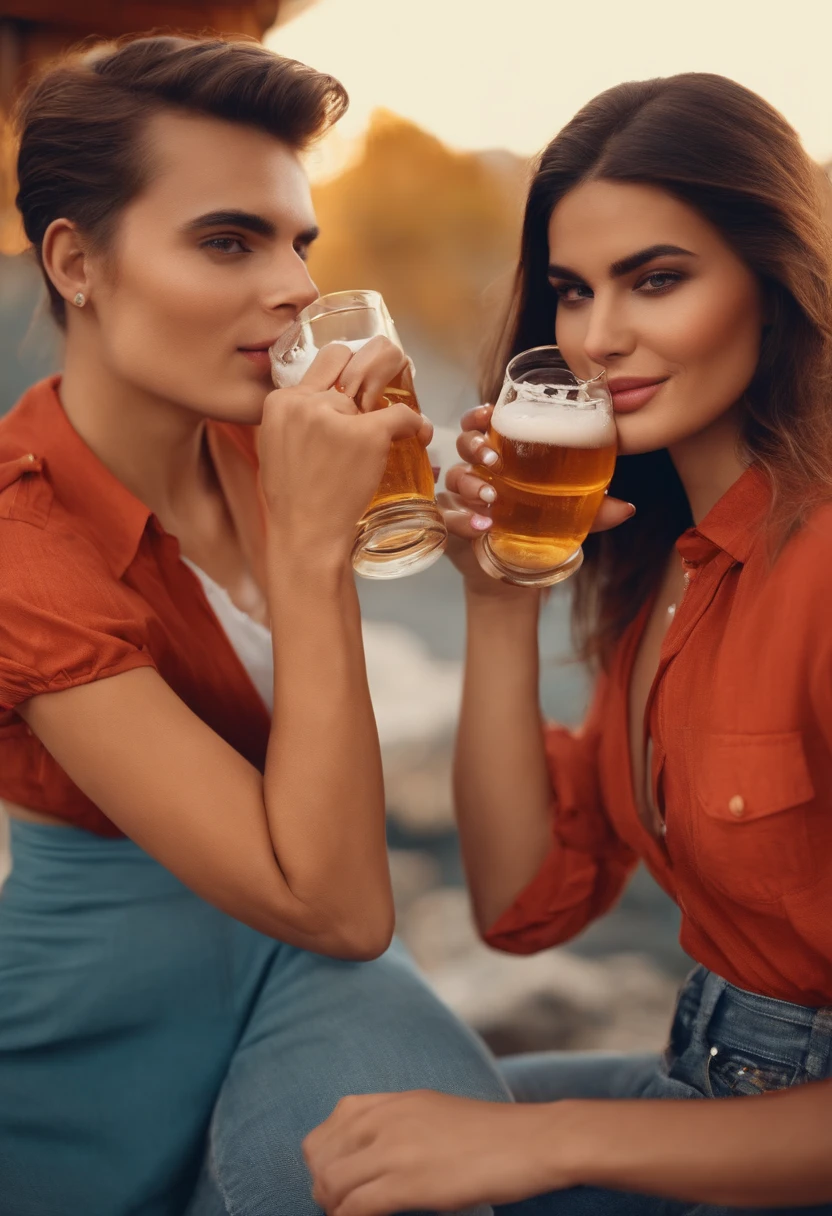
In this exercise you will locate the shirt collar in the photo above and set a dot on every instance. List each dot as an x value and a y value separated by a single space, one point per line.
733 522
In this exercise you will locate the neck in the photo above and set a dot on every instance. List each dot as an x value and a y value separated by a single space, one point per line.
709 463
153 446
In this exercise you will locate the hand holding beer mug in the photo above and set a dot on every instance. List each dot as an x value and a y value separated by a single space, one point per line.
555 438
402 531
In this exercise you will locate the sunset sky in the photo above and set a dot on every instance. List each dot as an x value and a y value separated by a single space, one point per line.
484 73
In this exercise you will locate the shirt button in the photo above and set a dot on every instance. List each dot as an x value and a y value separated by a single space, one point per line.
737 806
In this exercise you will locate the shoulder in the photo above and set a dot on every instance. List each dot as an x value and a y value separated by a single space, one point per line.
794 583
47 559
808 552
64 618
48 570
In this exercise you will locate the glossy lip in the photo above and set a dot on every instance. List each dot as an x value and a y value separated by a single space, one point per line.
258 355
630 393
261 346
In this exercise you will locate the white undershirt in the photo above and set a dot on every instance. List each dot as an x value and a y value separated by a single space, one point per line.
251 640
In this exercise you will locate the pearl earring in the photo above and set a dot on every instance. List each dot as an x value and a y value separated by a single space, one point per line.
79 300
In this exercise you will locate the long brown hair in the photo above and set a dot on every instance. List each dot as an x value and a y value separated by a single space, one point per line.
81 123
724 151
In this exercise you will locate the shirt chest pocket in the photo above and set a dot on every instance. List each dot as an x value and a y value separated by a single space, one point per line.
751 815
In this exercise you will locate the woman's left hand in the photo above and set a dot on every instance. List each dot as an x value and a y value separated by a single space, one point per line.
383 1153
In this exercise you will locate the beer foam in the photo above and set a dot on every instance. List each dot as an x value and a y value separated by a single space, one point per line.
570 426
290 368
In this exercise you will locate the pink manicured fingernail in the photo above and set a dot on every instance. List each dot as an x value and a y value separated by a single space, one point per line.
436 469
481 522
488 494
489 457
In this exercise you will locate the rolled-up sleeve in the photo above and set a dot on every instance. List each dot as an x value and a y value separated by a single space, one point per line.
587 865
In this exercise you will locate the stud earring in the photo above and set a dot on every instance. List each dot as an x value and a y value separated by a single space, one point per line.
79 300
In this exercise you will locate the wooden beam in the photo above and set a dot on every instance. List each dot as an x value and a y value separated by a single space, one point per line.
113 17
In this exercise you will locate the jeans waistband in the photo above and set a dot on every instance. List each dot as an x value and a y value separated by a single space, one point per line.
711 1010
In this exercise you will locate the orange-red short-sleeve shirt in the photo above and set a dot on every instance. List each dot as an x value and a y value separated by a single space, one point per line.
91 586
740 717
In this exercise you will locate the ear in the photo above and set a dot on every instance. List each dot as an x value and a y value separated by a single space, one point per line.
64 259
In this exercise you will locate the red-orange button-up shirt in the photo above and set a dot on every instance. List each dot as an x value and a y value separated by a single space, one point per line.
740 717
91 586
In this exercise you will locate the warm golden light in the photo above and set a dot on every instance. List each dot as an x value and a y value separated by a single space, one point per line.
492 74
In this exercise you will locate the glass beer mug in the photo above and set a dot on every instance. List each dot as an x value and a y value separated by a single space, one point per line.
402 530
556 439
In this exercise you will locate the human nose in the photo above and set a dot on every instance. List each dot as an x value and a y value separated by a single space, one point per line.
608 335
291 285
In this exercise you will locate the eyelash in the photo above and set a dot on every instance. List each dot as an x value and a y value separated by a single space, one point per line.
672 277
219 244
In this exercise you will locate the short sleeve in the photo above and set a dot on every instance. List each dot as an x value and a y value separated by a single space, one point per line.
588 864
65 619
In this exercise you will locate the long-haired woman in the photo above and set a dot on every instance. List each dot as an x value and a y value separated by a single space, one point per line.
676 238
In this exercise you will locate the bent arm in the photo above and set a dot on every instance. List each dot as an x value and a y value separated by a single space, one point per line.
502 790
542 860
299 853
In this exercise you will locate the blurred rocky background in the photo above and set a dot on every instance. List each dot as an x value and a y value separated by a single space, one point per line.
436 231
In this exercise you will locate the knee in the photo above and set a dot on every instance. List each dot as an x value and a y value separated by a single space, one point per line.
254 1170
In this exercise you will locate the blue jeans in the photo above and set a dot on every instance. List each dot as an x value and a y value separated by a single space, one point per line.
157 1056
723 1042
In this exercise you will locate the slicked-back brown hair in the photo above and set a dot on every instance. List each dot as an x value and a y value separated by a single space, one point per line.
724 151
81 122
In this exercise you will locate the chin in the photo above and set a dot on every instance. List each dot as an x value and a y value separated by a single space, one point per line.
639 432
637 435
244 406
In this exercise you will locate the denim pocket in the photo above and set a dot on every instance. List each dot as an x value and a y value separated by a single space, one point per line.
734 1072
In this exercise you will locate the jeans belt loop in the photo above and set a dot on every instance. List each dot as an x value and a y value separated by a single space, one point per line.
712 989
819 1053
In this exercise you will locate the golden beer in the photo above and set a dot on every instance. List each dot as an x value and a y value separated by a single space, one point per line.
408 474
556 441
547 498
402 530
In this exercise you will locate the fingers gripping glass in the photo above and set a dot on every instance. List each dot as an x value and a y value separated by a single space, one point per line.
556 440
402 531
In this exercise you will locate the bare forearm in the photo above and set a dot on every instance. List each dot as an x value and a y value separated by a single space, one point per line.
324 789
768 1151
502 787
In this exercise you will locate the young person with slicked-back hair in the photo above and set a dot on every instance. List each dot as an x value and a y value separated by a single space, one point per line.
195 955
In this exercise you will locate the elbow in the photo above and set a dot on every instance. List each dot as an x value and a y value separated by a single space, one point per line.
355 936
361 941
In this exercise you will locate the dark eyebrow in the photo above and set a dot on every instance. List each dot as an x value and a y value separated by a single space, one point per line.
625 265
234 219
248 220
